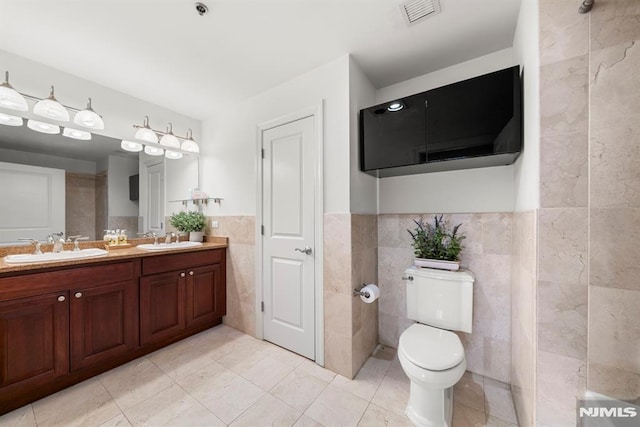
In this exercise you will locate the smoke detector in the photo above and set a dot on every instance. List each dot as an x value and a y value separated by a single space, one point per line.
202 8
414 11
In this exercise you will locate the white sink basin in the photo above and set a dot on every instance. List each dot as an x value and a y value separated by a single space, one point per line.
168 246
50 256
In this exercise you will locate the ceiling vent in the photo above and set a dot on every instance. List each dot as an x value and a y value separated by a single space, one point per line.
416 10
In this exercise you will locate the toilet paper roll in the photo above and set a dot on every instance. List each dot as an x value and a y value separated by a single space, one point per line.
370 293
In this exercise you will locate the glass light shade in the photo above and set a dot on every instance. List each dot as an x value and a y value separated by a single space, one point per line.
89 118
43 127
10 98
132 146
173 155
8 120
76 134
146 135
51 109
170 140
153 151
190 145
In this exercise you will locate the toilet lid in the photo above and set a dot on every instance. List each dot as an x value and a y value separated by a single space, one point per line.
431 348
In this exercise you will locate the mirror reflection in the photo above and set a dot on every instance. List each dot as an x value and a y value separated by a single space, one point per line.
51 184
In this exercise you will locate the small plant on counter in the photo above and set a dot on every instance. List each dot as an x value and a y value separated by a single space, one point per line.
436 241
188 222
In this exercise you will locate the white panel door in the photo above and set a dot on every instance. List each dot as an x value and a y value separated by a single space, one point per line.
288 245
33 202
155 199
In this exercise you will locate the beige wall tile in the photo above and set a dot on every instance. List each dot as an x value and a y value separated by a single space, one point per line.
562 319
613 73
613 22
239 229
563 96
563 245
564 33
337 253
338 353
564 170
614 248
615 166
241 282
614 330
614 382
496 233
560 381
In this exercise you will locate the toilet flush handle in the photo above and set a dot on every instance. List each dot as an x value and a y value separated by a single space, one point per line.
409 278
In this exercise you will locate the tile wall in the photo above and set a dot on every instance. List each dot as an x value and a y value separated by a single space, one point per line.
586 334
523 308
80 215
614 200
487 253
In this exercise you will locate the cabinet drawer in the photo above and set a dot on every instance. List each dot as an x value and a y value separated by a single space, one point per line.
74 277
179 261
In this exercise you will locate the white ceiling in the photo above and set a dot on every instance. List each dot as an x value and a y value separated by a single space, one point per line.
163 52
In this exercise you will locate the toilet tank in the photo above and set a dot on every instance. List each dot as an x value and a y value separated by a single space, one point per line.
440 298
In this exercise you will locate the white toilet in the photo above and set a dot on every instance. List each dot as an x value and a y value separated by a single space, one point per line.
430 354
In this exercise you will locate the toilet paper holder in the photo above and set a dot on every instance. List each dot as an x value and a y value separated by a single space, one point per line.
360 293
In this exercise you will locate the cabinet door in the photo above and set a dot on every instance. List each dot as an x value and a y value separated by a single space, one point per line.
103 323
162 306
206 294
34 342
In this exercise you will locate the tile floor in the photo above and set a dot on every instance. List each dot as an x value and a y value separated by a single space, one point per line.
223 377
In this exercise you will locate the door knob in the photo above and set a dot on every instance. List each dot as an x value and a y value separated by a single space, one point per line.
61 298
191 273
78 295
306 250
182 274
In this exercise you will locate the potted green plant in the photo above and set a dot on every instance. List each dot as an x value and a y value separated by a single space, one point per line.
190 222
435 245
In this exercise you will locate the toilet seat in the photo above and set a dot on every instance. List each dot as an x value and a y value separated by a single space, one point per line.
431 348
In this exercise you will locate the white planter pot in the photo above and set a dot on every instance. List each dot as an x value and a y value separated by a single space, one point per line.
437 263
196 236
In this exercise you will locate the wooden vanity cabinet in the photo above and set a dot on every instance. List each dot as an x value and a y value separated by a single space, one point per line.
35 342
60 326
181 292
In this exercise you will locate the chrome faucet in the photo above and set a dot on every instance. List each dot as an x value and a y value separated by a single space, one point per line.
150 234
169 236
75 239
36 244
57 240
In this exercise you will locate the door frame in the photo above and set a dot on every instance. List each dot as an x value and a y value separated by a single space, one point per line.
317 113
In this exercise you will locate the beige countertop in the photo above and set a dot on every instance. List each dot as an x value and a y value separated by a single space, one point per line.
212 242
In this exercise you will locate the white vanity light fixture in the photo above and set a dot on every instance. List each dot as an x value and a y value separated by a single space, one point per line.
11 98
131 146
145 133
169 143
169 139
51 108
43 127
89 118
76 134
189 144
9 120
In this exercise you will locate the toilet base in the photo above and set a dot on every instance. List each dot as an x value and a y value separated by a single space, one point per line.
430 407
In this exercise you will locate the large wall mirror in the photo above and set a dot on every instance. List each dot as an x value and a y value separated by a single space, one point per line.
51 183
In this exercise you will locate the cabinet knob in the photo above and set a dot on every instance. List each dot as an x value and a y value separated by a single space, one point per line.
78 295
191 273
61 298
182 274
